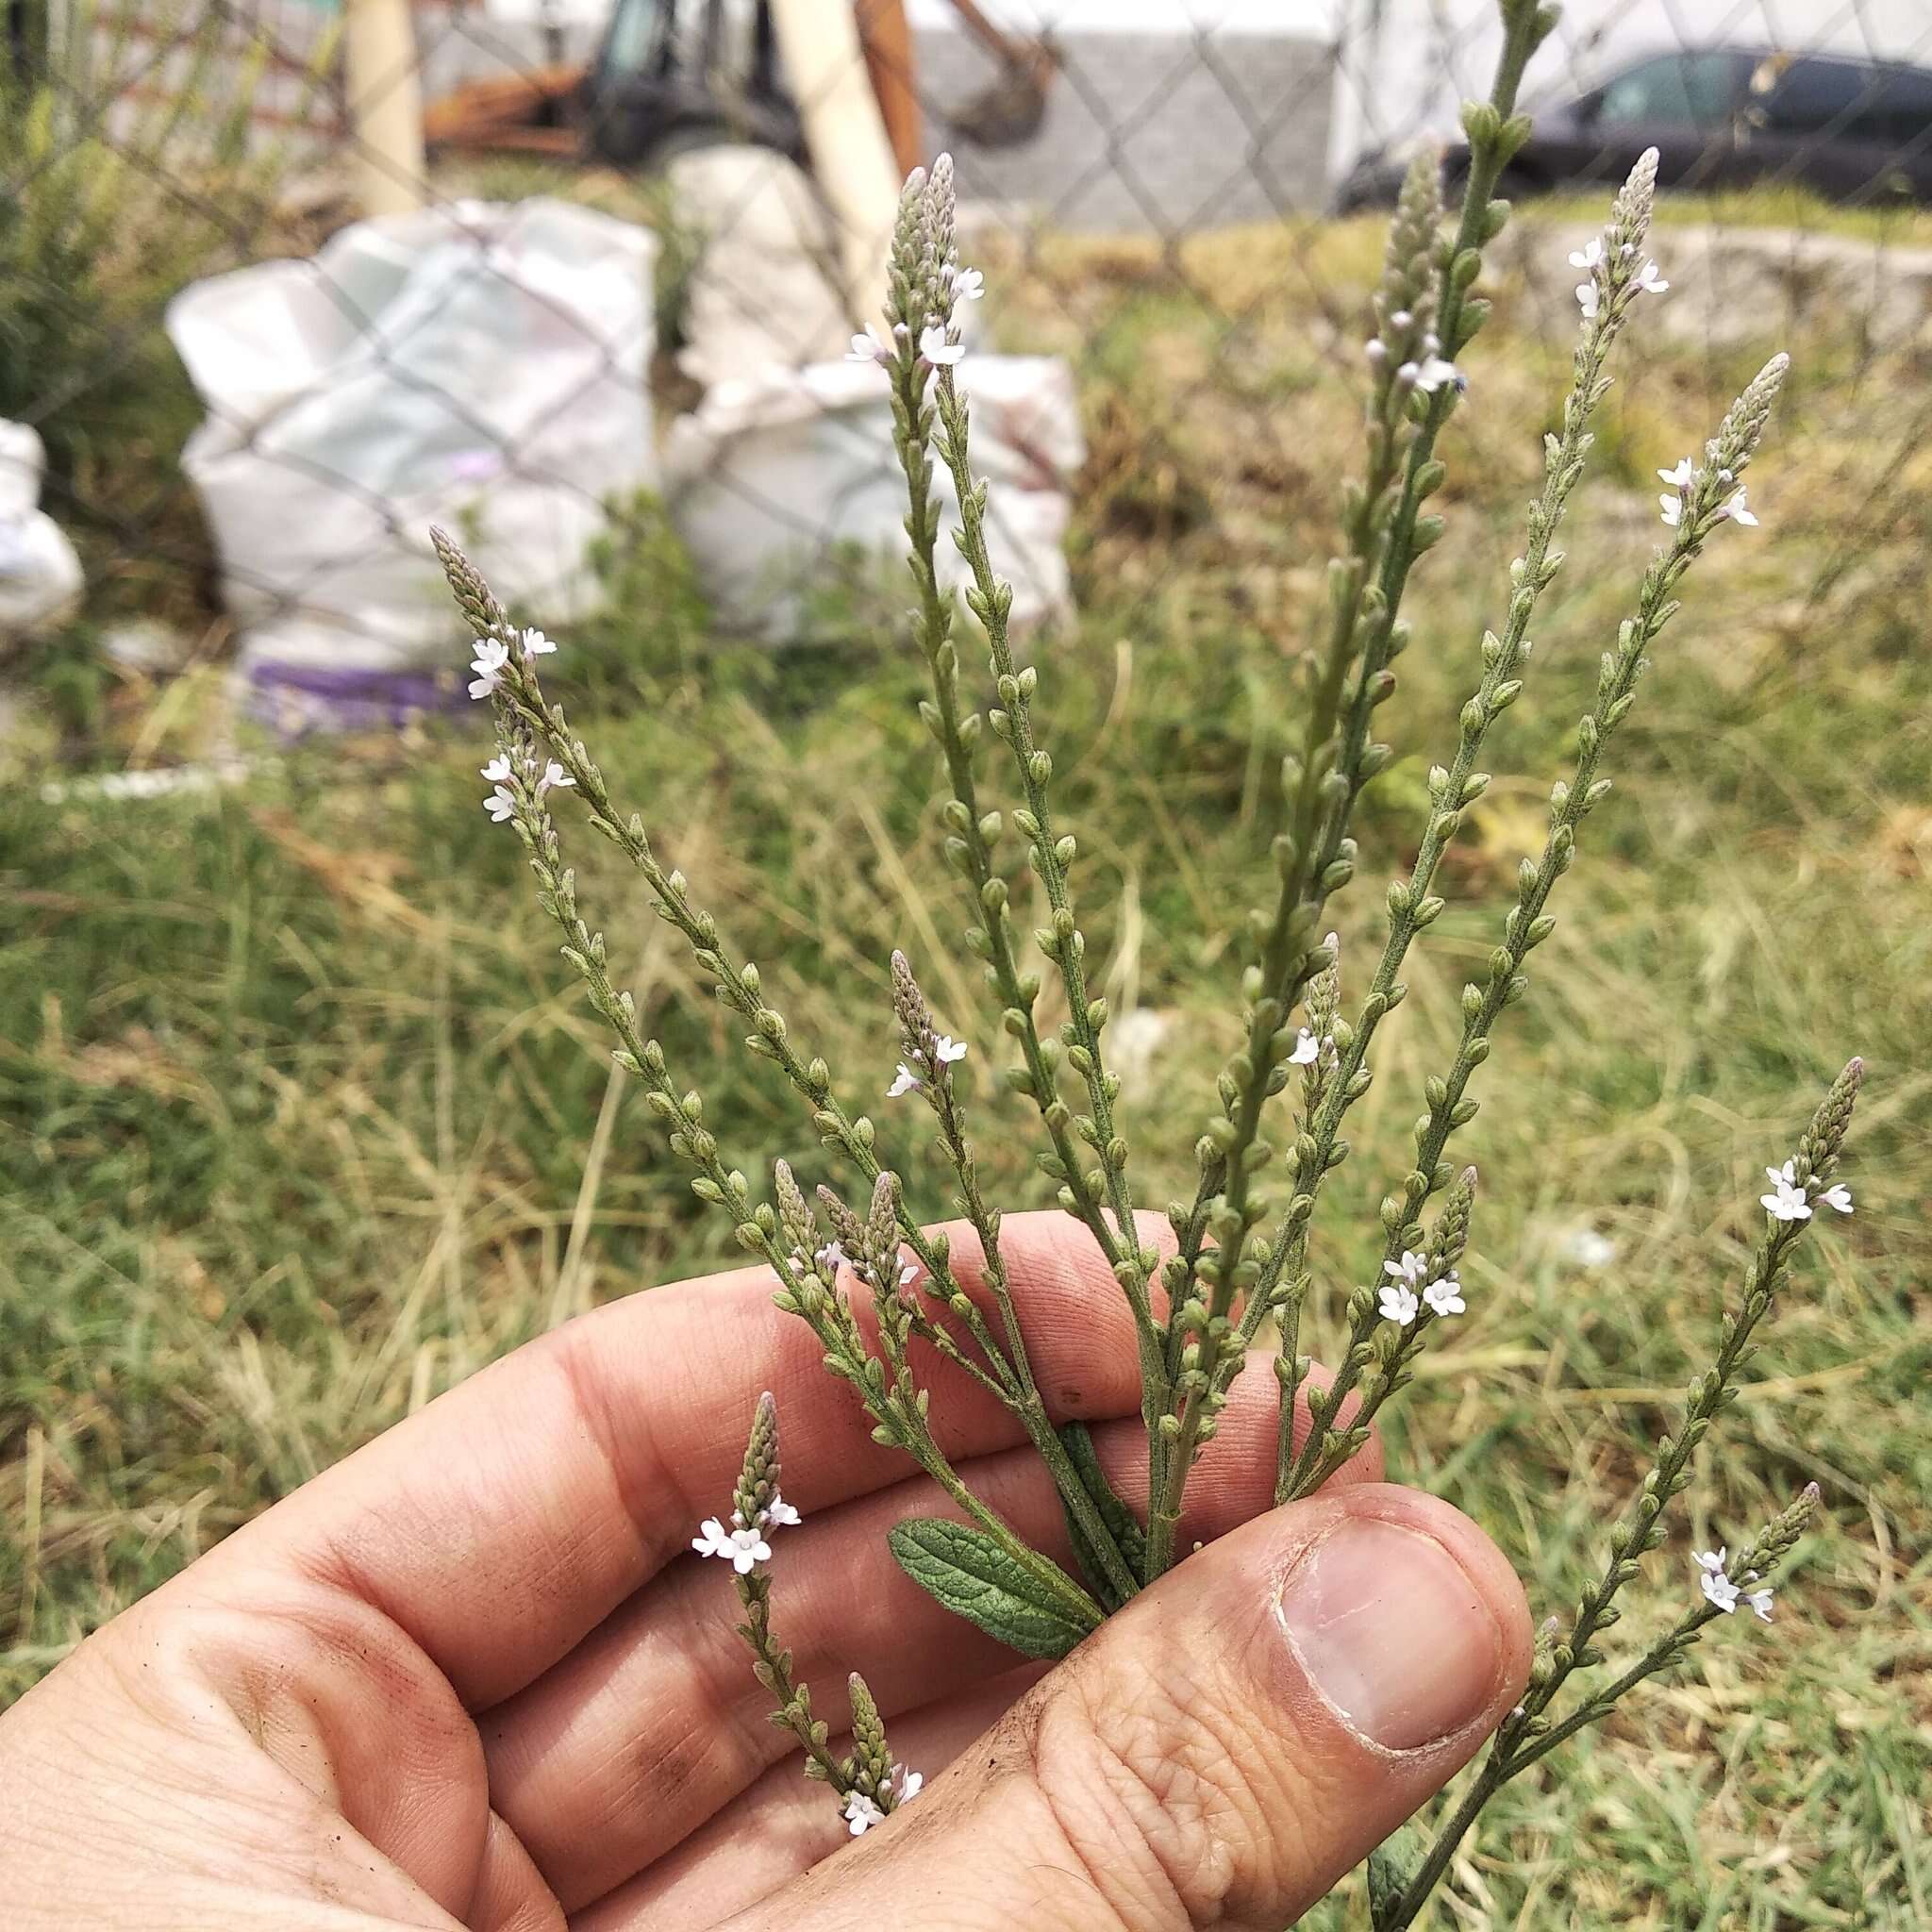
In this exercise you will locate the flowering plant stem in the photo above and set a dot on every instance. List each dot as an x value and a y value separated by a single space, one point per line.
1315 856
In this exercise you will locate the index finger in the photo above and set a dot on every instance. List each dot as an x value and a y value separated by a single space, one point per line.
504 1522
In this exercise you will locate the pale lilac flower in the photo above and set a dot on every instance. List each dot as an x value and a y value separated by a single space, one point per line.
1712 1580
499 805
1588 255
536 644
745 1549
1410 1271
903 1081
1444 1297
554 777
1759 1601
1307 1049
866 347
934 347
1650 282
1398 1304
497 770
1786 1202
1733 507
906 1784
1673 509
1839 1196
1679 478
969 285
491 655
777 1514
1434 373
860 1813
1586 300
831 1256
946 1050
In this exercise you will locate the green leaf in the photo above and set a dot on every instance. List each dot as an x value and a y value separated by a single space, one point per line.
1127 1533
978 1579
1392 1866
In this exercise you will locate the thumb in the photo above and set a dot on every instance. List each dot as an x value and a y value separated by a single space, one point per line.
1224 1749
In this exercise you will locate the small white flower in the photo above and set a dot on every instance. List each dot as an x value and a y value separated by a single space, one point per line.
1401 319
536 644
777 1514
1444 1297
499 805
934 347
1434 373
860 1813
1410 1271
1759 1601
903 1081
909 1275
1586 300
946 1050
1398 1304
866 347
1712 1580
1839 1196
1786 1202
1679 478
491 655
1650 282
1733 507
1588 255
1673 509
555 778
906 1783
832 1257
497 770
1307 1049
969 285
1377 350
743 1548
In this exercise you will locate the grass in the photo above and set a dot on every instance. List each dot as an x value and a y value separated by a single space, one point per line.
298 1108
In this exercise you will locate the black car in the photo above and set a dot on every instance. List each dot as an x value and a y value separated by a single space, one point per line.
1720 117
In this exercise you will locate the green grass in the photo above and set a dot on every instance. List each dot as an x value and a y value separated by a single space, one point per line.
296 1101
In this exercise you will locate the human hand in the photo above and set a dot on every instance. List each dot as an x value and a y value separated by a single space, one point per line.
473 1676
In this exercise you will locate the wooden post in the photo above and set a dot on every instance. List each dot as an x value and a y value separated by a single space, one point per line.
888 42
846 137
383 93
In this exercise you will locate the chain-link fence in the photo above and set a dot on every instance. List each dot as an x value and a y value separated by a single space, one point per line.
626 243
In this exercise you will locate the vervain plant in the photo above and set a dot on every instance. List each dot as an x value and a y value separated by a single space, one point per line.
1241 1271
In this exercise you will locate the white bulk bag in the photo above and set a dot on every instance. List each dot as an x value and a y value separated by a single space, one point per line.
477 365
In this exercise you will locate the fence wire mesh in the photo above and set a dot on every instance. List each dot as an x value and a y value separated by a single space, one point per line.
1174 201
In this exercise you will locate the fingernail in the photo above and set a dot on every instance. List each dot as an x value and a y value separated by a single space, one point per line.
1392 1632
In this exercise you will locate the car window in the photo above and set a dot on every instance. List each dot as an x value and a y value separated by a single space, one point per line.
1677 89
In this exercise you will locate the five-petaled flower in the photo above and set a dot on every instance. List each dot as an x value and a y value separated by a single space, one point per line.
492 654
1433 372
1759 1601
936 349
497 770
499 805
1679 477
1412 1271
1733 508
1786 1201
1837 1195
947 1049
969 285
744 1548
1672 507
778 1513
1651 280
1712 1581
906 1784
1588 255
1398 1302
1444 1297
535 644
866 347
1587 299
1308 1049
860 1813
903 1081
554 777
